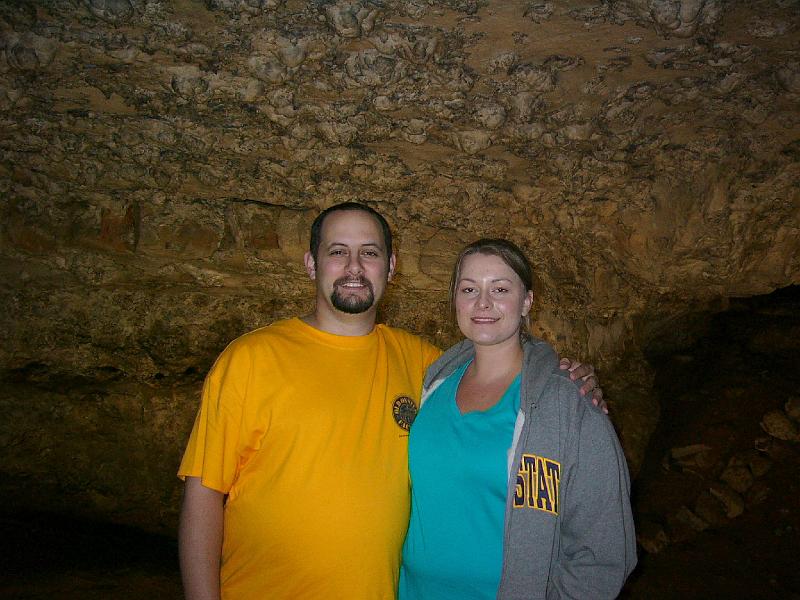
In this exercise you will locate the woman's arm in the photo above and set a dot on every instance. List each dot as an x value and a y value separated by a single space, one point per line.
597 538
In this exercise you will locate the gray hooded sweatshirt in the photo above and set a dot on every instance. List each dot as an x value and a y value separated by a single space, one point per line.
568 526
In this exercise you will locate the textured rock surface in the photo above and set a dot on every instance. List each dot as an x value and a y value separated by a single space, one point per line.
161 163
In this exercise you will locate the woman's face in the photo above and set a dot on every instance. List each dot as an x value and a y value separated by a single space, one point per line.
490 300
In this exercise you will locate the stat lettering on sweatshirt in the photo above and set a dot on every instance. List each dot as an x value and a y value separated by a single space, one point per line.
538 482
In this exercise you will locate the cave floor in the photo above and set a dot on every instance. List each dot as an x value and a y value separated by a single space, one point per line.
47 556
714 394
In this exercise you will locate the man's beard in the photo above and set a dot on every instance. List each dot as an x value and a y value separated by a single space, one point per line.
351 303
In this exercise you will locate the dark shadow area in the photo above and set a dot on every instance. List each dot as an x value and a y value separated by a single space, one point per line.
53 556
717 501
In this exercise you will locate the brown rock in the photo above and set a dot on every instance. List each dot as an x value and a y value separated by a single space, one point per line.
684 525
681 19
763 444
651 537
756 462
757 494
711 510
759 465
738 478
778 425
731 501
792 408
696 457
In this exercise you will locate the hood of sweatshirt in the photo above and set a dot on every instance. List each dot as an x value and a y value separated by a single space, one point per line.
539 361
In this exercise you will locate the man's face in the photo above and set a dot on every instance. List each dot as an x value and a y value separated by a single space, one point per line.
351 268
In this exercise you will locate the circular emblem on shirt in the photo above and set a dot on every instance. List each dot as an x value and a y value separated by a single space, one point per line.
404 410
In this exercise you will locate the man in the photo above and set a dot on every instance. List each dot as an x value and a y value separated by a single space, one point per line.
296 469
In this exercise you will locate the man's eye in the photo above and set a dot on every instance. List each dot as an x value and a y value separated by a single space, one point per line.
336 252
370 253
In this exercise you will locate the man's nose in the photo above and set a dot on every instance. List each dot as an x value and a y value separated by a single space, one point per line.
354 265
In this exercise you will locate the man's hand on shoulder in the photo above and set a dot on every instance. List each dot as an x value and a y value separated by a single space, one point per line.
591 384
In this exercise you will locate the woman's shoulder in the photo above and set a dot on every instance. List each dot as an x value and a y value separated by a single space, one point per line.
564 396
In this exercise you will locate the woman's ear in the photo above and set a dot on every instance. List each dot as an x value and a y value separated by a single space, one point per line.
527 303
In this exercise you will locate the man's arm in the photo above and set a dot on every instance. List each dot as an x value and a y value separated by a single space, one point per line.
590 382
200 540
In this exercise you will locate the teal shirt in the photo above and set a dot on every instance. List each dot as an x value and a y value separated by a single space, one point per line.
458 464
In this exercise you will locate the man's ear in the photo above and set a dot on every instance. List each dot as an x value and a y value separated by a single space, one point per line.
527 303
392 265
311 265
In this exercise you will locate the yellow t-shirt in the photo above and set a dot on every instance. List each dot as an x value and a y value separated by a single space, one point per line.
302 430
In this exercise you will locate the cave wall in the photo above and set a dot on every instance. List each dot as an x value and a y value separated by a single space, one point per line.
161 163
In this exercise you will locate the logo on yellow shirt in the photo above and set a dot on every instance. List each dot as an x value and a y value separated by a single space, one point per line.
538 481
404 411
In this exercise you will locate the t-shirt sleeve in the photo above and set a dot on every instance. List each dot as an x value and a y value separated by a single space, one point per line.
429 354
221 438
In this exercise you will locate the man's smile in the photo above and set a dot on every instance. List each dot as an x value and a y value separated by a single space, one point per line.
352 283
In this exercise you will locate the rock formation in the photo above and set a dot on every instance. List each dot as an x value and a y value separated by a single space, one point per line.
162 162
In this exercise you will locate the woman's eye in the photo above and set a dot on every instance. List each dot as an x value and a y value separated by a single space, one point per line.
500 290
467 290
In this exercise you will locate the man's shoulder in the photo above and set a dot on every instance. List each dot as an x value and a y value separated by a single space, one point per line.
397 332
266 335
406 338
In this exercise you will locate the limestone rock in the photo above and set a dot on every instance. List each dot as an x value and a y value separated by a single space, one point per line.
245 7
789 77
763 444
711 510
778 425
792 408
26 52
684 525
112 11
757 494
762 27
651 537
739 478
757 463
472 141
731 501
696 457
539 12
351 19
682 18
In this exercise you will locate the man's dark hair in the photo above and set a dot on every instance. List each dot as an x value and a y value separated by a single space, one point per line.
316 226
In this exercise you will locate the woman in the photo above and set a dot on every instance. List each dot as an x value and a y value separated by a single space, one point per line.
519 485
